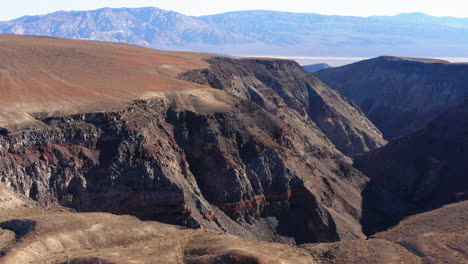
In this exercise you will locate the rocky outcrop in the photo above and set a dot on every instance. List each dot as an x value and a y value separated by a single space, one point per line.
283 88
400 95
127 136
240 169
418 172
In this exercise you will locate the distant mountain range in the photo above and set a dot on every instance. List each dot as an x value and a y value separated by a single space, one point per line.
257 32
427 19
316 67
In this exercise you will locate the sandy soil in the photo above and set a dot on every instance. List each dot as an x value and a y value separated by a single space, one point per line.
42 74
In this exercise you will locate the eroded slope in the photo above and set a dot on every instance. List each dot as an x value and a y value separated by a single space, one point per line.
183 153
438 236
57 235
421 171
285 89
238 168
400 95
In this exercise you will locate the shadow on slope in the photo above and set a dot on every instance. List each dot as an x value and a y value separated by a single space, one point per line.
416 173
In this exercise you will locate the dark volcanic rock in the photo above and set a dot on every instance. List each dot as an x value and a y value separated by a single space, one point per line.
243 171
418 172
283 88
400 95
128 137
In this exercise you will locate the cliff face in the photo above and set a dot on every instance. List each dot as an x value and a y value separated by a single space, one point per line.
417 172
285 89
30 233
248 147
52 235
131 137
174 159
400 95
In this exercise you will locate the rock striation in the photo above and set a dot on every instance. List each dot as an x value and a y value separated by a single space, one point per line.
222 170
179 151
283 88
248 147
57 235
32 233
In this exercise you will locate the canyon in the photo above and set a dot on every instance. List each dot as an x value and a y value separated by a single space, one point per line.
400 95
182 152
200 158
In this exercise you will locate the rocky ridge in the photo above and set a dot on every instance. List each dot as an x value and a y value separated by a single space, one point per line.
400 95
251 158
285 89
221 170
249 147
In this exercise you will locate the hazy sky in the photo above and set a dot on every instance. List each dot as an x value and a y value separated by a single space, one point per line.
10 9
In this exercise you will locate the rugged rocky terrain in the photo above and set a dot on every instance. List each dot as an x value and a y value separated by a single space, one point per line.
33 234
238 150
130 137
223 170
420 171
280 86
400 95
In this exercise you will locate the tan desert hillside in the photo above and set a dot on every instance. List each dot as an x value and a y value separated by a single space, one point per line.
42 74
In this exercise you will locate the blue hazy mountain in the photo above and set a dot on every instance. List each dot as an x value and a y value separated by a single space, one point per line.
257 32
316 67
151 27
426 19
